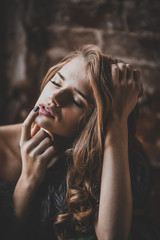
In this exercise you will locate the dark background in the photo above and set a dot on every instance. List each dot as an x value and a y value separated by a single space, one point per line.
35 34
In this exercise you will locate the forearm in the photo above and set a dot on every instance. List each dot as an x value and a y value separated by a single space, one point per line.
115 207
23 198
36 151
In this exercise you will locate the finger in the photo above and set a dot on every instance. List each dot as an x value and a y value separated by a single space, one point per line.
49 133
42 146
51 162
136 74
36 140
26 126
34 130
115 74
122 72
129 75
141 90
47 154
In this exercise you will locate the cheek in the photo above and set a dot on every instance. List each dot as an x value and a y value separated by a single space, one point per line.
44 122
72 118
72 123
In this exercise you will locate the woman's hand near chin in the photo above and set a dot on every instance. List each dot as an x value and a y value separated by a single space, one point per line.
36 152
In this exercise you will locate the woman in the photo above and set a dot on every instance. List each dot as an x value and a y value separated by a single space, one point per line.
72 170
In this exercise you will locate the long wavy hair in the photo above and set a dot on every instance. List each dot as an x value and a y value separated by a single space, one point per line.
79 208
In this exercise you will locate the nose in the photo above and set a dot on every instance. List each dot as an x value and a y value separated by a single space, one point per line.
61 97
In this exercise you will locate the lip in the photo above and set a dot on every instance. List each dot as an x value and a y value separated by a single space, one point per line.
46 110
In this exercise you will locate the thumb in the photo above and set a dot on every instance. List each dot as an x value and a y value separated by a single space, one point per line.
34 130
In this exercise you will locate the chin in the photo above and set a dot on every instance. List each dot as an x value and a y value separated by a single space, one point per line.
47 126
42 123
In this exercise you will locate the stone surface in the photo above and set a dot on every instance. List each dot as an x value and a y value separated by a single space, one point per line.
142 48
143 15
71 38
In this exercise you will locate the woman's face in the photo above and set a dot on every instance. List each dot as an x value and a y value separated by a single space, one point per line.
65 99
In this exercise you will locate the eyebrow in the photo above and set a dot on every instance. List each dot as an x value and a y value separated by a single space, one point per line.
61 76
77 90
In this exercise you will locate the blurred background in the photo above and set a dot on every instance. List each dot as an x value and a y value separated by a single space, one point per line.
36 34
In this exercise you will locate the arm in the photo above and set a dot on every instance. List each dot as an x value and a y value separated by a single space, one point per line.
35 152
10 159
115 207
115 199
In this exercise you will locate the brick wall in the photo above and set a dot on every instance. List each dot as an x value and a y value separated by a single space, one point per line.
35 34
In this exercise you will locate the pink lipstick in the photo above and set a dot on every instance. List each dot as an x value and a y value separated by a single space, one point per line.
46 111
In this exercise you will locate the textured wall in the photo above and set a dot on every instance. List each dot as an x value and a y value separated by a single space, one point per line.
35 34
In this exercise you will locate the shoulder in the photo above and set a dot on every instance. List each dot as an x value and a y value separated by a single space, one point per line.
10 130
10 162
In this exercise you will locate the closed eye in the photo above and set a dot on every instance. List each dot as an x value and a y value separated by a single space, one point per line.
80 105
55 83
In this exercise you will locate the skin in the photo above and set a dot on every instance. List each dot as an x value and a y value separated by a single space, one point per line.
10 158
67 104
38 149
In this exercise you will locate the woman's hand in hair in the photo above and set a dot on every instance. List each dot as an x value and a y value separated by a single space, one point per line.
115 207
36 151
127 88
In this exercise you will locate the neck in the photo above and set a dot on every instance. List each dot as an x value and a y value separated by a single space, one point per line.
62 143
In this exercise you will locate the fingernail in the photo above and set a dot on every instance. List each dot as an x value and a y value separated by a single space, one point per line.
35 109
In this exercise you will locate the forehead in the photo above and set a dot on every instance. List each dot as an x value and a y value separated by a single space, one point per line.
75 74
75 70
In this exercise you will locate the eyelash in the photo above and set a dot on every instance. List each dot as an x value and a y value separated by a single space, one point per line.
80 105
57 84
